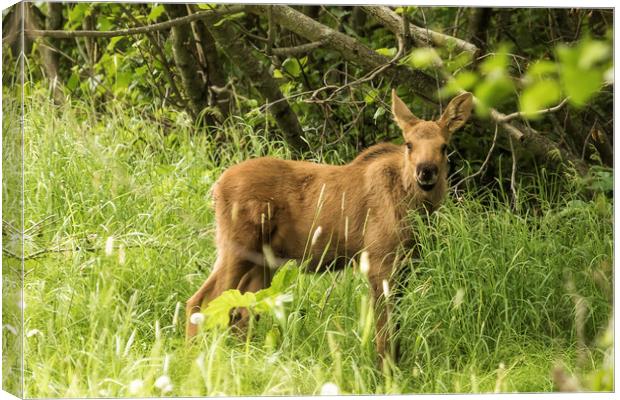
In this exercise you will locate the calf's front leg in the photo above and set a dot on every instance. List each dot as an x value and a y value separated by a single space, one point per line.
381 283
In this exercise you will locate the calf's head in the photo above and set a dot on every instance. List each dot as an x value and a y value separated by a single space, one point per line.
426 154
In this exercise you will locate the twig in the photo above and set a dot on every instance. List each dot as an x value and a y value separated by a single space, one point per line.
509 117
513 185
484 164
297 50
207 14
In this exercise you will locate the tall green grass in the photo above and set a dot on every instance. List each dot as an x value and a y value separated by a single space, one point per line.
123 204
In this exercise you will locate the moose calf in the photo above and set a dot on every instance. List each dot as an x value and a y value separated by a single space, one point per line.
267 205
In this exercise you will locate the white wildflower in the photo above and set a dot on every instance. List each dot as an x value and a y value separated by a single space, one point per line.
162 382
364 263
317 233
109 245
135 386
197 318
329 389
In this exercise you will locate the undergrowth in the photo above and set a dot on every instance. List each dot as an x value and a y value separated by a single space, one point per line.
119 217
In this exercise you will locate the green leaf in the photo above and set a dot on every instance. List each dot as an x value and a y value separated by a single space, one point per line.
73 81
388 52
539 96
462 81
282 280
217 312
492 91
77 13
370 96
459 61
292 67
277 73
541 69
229 17
156 11
423 57
592 52
581 73
207 6
379 113
113 42
103 23
497 63
123 79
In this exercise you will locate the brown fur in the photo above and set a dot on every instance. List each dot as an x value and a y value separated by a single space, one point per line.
359 207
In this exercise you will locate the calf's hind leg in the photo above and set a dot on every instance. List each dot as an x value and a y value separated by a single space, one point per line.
255 279
226 274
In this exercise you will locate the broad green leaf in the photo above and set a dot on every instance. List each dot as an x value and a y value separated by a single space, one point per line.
217 312
539 96
497 63
113 42
282 280
104 23
491 92
156 11
123 79
423 57
73 81
541 69
579 84
292 67
592 52
277 73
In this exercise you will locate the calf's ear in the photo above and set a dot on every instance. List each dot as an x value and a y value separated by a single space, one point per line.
402 115
457 113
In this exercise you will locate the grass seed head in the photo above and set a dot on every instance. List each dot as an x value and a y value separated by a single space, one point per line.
317 233
364 263
109 246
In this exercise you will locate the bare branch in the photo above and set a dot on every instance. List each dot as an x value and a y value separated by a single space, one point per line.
421 36
297 50
350 48
514 115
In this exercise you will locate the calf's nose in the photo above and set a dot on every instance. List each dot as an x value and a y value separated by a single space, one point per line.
427 172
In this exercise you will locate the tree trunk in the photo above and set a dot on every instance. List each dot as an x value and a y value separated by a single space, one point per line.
216 77
182 42
261 79
478 25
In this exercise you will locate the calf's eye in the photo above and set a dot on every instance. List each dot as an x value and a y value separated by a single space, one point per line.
409 146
